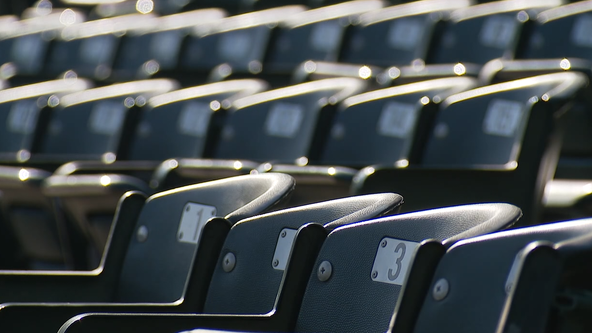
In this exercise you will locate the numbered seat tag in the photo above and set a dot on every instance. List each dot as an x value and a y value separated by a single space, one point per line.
580 33
194 119
326 36
235 45
23 117
284 120
107 117
193 220
503 118
499 31
405 34
283 249
164 47
97 50
393 260
397 120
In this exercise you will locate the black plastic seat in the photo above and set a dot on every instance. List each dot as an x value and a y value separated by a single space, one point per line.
353 284
397 35
25 44
487 31
107 117
500 276
315 34
386 126
89 49
284 125
495 143
182 123
234 45
161 251
157 48
24 113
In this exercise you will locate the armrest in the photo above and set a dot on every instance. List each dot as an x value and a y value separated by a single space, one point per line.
425 188
76 167
178 172
164 323
538 269
72 286
307 244
21 177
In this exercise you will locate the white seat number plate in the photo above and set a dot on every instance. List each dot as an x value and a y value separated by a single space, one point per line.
580 33
284 120
107 117
23 117
193 220
392 261
405 34
194 119
283 249
397 120
503 118
498 31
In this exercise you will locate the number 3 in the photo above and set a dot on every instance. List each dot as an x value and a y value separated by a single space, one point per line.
400 249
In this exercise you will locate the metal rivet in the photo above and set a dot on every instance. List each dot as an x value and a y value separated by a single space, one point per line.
383 243
441 289
324 271
374 274
142 234
283 234
276 263
228 262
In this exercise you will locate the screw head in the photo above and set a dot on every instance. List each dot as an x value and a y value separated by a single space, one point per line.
383 243
324 271
229 262
283 234
374 274
142 234
276 263
441 289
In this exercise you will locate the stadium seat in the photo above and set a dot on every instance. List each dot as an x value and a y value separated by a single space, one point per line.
181 254
495 143
25 45
354 283
315 34
285 125
499 276
234 45
145 53
397 35
89 49
487 31
386 126
24 113
108 114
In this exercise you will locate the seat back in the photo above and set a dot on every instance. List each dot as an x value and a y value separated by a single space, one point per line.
89 49
161 253
284 124
261 248
396 35
93 124
187 122
480 274
506 120
157 48
238 43
487 31
24 114
570 21
361 268
390 124
315 34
